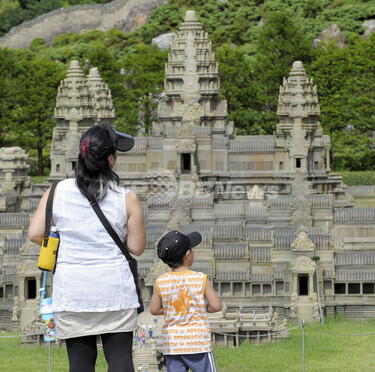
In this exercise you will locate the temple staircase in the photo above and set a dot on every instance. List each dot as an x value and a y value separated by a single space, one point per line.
305 309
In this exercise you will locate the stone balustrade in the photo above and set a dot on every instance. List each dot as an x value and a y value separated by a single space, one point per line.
230 251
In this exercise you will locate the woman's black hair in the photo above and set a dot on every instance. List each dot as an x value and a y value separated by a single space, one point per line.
92 170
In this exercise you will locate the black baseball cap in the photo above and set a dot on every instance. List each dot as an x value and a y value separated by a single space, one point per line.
173 246
124 142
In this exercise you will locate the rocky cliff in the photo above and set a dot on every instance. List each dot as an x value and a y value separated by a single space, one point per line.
126 15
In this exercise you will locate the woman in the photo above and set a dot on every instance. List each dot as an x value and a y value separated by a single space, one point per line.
93 288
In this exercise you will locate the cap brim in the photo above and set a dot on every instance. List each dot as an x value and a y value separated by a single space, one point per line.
195 238
125 142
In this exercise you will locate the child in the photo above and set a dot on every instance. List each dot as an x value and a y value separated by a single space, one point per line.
180 295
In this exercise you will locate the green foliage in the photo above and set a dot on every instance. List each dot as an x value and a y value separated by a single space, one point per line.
253 61
164 19
28 93
143 81
358 178
346 92
280 43
238 89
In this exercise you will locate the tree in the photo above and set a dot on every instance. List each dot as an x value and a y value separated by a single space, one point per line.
239 89
34 101
316 260
8 74
280 43
143 77
345 79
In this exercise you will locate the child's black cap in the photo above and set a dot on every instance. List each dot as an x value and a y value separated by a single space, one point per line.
174 245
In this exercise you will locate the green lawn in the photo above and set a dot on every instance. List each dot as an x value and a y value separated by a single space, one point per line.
323 352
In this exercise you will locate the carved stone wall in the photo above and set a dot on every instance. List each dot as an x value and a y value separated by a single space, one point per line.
15 185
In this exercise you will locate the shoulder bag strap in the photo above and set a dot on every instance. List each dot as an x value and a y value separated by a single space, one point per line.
103 219
48 220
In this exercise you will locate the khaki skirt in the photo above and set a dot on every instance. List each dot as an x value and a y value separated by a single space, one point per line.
70 324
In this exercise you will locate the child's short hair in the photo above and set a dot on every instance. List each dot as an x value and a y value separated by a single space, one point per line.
172 247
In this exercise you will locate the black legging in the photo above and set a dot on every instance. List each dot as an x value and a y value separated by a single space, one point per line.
117 347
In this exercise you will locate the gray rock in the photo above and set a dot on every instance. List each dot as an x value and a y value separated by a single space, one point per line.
370 27
331 33
163 41
350 128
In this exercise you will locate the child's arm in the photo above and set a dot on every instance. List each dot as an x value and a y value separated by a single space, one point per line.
156 306
213 301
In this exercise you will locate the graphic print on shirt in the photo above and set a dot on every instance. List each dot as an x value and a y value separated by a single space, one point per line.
186 329
182 304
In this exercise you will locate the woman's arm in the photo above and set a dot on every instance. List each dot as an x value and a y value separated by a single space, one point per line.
37 224
213 301
156 305
136 238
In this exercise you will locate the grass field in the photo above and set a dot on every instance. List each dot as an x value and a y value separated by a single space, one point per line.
323 352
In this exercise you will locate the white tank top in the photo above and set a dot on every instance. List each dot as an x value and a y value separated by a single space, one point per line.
92 274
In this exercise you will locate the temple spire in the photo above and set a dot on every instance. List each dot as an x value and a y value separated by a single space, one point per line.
302 147
104 110
192 84
74 102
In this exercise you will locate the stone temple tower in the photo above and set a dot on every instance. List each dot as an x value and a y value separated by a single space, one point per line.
299 133
192 85
81 103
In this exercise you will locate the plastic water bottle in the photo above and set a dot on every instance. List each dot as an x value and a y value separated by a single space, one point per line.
48 320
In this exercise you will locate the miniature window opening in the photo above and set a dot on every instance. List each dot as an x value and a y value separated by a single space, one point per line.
368 288
9 291
30 288
74 165
57 168
142 283
279 288
303 285
298 162
354 288
1 292
237 289
281 165
327 285
216 287
316 165
339 288
267 289
256 289
225 289
185 163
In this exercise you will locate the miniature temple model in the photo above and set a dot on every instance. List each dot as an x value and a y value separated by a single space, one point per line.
265 205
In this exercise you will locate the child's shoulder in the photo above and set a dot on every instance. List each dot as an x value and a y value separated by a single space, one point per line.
197 273
163 276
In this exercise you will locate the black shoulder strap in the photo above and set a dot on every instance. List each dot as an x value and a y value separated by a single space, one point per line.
109 228
48 220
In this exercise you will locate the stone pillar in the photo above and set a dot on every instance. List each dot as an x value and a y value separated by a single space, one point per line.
21 290
295 283
328 169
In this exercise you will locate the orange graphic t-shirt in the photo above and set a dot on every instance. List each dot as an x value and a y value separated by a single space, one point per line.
186 329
